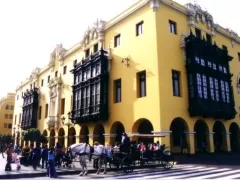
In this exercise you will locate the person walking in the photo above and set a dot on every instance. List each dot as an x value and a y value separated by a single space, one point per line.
44 156
51 170
9 158
2 149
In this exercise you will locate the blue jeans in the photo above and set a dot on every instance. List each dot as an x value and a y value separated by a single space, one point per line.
51 170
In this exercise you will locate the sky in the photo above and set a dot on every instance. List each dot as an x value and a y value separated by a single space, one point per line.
30 29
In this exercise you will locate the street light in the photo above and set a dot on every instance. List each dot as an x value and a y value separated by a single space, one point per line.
68 124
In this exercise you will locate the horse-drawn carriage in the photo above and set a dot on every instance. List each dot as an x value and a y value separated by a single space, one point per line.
126 161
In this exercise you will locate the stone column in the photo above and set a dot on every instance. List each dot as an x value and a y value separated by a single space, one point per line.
191 142
77 139
228 144
211 148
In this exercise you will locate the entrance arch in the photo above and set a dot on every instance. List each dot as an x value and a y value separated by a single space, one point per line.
98 134
61 137
143 126
117 129
234 137
178 137
45 133
72 136
201 136
219 136
84 132
52 138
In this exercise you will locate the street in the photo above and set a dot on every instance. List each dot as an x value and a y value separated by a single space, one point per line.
178 172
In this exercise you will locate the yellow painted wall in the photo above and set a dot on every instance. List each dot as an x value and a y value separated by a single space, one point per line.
6 122
157 51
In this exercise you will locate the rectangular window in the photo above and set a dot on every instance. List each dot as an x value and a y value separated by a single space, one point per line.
95 48
216 89
6 116
56 74
87 53
40 113
198 33
209 38
5 125
15 119
62 105
172 27
10 116
64 69
117 91
211 84
48 80
74 62
141 84
46 110
42 82
9 126
199 85
204 82
223 90
11 107
117 40
190 77
227 92
139 28
20 118
176 83
7 107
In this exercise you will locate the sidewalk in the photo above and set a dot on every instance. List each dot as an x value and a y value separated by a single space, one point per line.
25 172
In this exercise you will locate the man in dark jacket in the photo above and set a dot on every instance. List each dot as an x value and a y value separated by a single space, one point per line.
126 144
44 156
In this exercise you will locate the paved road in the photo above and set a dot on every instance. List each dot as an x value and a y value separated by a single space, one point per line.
178 172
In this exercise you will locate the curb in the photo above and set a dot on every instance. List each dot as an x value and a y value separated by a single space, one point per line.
67 172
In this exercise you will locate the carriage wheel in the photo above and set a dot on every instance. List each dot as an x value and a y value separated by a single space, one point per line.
168 165
127 165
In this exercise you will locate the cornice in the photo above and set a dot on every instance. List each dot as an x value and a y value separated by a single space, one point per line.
126 13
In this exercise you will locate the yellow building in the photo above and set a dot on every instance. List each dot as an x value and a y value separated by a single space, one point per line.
6 113
158 67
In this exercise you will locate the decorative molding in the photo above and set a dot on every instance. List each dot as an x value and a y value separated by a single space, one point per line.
183 45
58 53
154 5
196 14
238 83
190 133
96 32
34 75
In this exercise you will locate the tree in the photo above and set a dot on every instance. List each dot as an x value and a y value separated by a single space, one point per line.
31 135
6 138
34 135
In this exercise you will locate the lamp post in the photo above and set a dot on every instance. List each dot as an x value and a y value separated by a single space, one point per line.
68 124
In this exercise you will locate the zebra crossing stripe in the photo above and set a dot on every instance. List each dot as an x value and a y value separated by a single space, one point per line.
219 174
161 172
184 172
197 173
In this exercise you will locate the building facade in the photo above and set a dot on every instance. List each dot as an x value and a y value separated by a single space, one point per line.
6 114
158 67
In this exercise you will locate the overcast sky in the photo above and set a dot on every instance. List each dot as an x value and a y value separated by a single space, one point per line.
30 29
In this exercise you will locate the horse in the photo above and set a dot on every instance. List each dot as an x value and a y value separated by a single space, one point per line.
83 151
100 155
